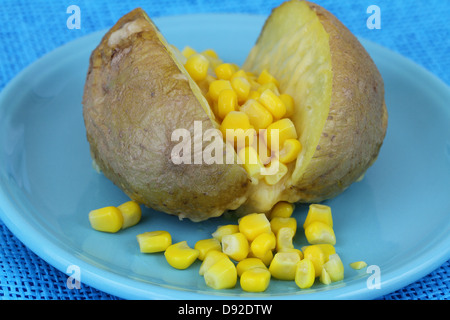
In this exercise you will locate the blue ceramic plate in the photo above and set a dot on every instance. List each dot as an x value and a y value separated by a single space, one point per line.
396 219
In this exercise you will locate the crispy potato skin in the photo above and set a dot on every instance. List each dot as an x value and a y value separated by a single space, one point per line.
135 97
357 120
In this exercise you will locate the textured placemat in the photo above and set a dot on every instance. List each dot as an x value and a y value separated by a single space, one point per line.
29 29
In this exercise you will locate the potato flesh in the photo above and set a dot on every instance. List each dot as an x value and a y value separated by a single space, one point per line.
294 47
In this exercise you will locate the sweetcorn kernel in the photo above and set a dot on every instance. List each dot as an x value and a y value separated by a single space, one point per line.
295 250
235 246
224 71
319 212
221 275
318 232
305 274
277 223
324 277
253 225
205 245
282 209
290 151
262 244
357 265
210 259
285 238
289 104
249 263
242 88
334 268
180 255
107 219
259 117
274 172
226 102
284 129
154 241
236 129
316 256
216 86
267 259
224 230
197 66
266 77
283 265
188 51
272 103
255 280
131 212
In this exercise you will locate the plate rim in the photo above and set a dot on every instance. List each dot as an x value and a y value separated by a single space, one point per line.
126 288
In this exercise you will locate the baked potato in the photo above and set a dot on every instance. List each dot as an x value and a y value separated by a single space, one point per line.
138 92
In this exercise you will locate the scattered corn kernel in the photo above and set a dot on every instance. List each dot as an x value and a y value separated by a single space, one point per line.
253 94
262 244
358 265
131 212
216 86
154 241
224 230
318 232
249 263
205 245
277 223
324 277
242 88
334 267
295 250
180 255
253 225
260 117
197 66
285 238
210 259
251 162
284 129
255 280
267 259
275 171
272 103
290 151
235 246
319 212
305 274
282 209
327 249
221 275
239 74
316 256
283 265
226 102
266 77
107 219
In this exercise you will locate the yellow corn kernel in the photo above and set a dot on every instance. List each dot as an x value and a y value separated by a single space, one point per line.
324 277
253 94
305 274
216 86
317 256
255 280
285 238
205 245
319 212
253 224
188 51
197 66
266 77
334 268
239 74
107 219
264 153
295 250
272 103
267 259
227 102
263 243
290 151
249 263
180 255
282 209
224 71
154 241
327 249
260 117
275 171
210 259
289 104
236 129
270 86
358 265
131 212
210 53
242 88
251 162
221 275
204 87
283 265
318 232
224 230
284 129
277 223
235 246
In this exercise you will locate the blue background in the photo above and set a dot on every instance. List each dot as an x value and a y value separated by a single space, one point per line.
419 30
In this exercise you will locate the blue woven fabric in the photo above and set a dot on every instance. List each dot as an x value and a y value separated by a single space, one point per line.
29 29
